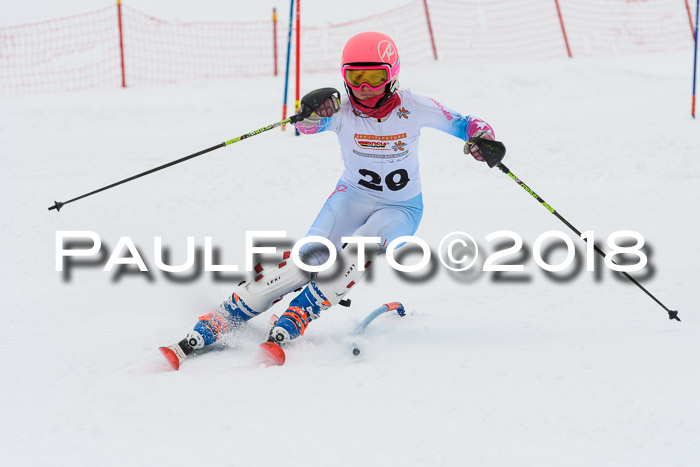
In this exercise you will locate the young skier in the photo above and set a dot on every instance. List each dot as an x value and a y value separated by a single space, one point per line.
378 194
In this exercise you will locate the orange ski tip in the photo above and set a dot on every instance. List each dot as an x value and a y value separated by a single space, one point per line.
170 357
273 353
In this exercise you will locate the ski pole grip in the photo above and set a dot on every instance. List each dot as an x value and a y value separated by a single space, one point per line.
314 99
492 151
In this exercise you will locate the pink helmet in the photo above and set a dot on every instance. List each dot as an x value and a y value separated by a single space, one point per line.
372 47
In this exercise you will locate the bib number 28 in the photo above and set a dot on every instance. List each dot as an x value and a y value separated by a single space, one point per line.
394 181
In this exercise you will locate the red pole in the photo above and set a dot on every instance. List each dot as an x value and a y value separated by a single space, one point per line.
121 40
690 19
296 102
274 36
563 29
430 28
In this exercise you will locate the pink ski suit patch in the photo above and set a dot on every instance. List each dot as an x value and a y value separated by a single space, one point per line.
476 124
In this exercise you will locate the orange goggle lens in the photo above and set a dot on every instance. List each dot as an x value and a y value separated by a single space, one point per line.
373 77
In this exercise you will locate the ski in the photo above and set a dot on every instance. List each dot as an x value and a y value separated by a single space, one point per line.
270 353
170 354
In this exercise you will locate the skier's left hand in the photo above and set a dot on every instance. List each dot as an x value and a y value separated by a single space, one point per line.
473 149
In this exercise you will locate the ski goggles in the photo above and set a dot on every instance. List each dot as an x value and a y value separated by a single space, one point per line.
374 77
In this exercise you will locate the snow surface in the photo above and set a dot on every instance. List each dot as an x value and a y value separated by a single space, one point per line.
574 373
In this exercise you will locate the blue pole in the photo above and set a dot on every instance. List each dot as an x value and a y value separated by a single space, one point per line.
372 316
695 59
289 52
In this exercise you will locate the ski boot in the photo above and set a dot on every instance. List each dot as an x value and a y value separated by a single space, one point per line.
306 307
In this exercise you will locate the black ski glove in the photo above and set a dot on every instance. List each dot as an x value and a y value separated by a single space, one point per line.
484 148
316 105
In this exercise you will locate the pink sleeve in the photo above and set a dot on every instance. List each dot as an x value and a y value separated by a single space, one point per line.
308 130
475 124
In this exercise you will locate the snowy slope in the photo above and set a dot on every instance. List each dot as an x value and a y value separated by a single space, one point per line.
480 372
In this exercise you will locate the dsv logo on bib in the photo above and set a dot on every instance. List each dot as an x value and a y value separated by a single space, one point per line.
378 142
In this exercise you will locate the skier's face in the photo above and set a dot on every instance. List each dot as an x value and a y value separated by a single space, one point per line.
367 93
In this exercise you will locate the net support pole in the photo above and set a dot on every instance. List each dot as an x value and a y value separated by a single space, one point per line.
121 41
690 19
430 29
563 29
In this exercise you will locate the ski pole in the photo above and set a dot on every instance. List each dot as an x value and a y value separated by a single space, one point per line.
494 152
672 314
293 119
372 316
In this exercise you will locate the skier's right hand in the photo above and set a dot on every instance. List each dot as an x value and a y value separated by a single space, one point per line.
318 104
327 107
